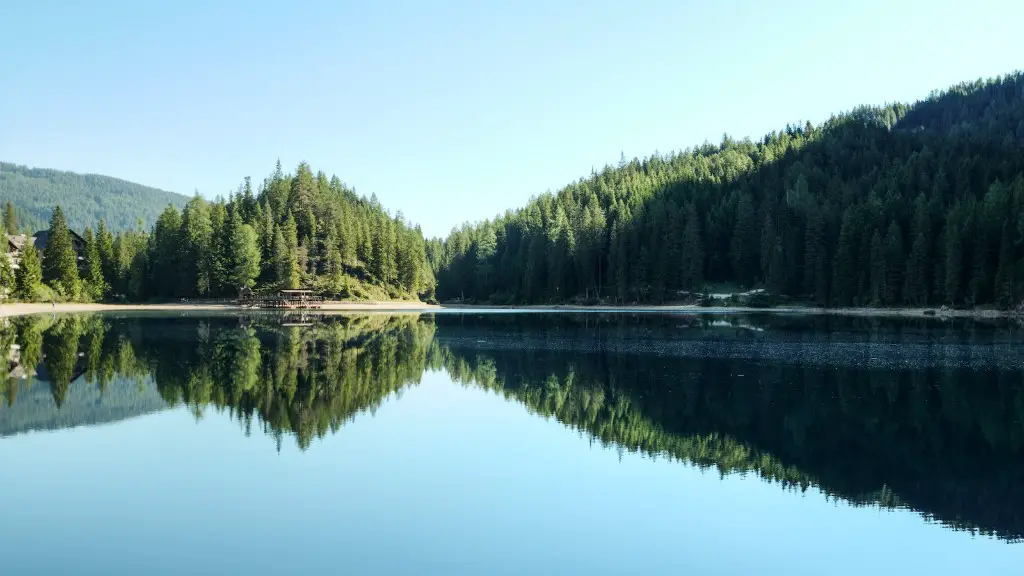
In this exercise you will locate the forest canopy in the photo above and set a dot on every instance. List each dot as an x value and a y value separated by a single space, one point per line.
291 231
901 204
85 198
898 205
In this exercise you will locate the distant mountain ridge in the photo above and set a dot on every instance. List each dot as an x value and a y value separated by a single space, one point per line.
85 198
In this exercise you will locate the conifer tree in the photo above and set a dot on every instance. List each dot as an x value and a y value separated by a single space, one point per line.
10 219
94 284
60 265
1005 272
29 276
245 256
105 245
8 285
894 264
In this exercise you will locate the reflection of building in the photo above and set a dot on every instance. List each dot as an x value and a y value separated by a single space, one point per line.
15 370
16 245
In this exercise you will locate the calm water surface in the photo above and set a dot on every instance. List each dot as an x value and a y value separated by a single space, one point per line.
567 443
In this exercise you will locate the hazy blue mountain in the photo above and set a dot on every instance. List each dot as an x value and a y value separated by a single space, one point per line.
85 198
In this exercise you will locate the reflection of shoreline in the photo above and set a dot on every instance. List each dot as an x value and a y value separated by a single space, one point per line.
9 310
710 391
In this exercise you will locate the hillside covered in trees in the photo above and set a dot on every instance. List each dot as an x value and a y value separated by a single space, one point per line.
901 204
85 198
300 230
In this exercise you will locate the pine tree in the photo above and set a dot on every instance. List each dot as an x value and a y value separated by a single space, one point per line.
915 289
60 265
10 219
879 270
245 256
94 284
692 267
486 246
29 276
953 264
390 266
197 238
845 271
8 284
108 262
816 268
744 242
286 267
1005 271
894 264
169 256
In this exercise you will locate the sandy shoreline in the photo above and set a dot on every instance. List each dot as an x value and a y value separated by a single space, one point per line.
7 310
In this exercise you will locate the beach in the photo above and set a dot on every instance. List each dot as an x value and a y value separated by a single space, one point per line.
22 309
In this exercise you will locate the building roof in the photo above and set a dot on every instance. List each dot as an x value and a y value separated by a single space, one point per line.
41 238
17 242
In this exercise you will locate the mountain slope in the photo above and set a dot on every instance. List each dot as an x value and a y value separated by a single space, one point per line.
85 198
905 204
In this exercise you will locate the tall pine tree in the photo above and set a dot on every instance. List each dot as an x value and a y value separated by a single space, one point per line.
60 264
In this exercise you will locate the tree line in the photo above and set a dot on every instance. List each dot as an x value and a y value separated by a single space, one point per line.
85 198
916 205
294 231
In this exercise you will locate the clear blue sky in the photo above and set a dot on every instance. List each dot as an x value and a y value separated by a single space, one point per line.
454 111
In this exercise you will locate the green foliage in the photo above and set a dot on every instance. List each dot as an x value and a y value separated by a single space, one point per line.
796 212
85 198
93 282
105 246
60 264
29 276
245 256
10 218
295 231
8 284
286 249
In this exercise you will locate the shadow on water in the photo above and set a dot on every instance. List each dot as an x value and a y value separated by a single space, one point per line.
915 414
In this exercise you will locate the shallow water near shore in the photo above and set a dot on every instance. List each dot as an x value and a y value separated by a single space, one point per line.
469 442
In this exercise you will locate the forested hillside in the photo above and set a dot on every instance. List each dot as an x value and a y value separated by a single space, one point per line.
85 198
917 204
293 231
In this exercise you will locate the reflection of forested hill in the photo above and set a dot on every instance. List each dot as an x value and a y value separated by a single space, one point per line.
84 405
915 414
944 440
303 381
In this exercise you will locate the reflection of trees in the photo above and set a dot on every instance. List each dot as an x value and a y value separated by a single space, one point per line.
943 441
305 381
947 442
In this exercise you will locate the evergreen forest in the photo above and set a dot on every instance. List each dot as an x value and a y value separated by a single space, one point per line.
898 205
919 205
300 230
85 198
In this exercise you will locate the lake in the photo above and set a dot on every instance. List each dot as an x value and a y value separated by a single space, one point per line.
506 443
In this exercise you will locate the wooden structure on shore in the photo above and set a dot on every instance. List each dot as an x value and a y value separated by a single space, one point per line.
281 300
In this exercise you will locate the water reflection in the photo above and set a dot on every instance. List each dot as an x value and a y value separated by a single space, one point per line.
913 414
